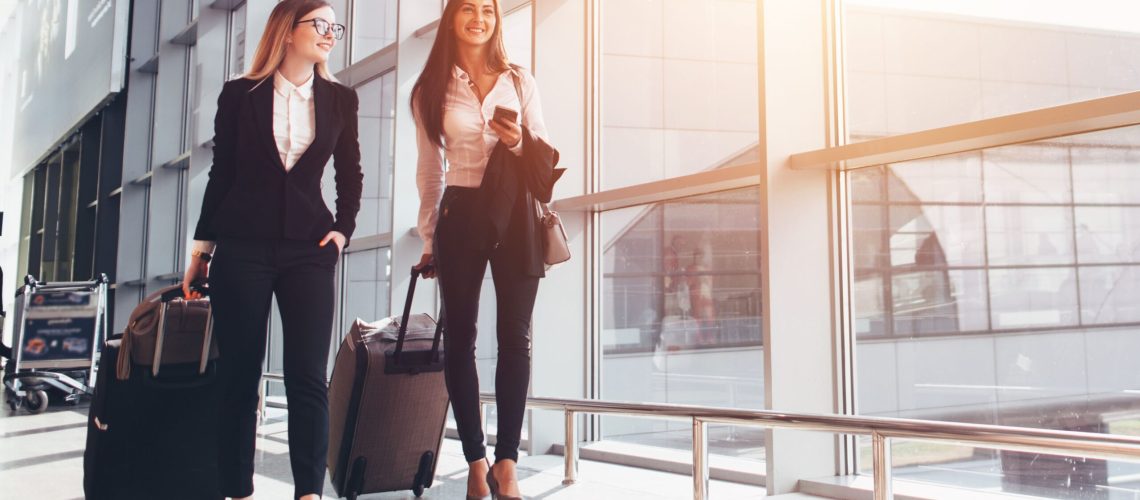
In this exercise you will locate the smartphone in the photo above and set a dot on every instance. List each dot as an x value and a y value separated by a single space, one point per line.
506 114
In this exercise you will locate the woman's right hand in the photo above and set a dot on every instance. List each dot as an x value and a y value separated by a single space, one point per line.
427 260
198 269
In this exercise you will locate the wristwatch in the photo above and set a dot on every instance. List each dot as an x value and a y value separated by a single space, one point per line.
205 256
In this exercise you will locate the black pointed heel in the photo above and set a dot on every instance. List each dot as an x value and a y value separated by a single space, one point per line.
486 497
494 485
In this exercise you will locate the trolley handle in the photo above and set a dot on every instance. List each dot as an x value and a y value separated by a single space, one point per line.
33 284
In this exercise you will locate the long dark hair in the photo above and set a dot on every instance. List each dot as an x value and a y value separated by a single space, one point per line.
431 88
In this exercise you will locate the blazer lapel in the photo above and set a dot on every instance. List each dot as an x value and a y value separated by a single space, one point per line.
261 100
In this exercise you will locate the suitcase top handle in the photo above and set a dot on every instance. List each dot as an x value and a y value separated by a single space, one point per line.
403 331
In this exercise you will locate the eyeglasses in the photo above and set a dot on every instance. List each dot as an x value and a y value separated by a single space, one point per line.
323 27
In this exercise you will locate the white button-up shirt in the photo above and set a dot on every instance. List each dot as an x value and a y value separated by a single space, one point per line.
294 126
469 139
294 118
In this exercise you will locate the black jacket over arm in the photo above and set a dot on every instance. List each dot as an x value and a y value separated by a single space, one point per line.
510 186
250 195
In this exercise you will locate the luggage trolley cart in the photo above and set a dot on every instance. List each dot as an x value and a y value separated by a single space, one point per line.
58 328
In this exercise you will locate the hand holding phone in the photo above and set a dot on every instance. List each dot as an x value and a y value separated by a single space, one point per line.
505 114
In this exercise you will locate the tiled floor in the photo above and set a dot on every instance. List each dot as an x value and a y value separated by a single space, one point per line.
41 458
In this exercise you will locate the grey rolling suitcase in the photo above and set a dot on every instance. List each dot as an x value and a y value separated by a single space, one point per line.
387 411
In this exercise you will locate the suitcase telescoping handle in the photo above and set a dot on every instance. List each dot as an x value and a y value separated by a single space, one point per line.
403 332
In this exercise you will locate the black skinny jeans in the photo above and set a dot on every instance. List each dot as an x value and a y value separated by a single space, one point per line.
244 276
460 270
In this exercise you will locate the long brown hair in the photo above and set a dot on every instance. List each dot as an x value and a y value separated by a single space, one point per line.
431 87
271 49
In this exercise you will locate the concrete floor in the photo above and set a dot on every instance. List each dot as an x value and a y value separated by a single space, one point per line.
41 458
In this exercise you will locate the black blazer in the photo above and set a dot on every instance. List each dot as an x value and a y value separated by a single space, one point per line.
251 196
506 197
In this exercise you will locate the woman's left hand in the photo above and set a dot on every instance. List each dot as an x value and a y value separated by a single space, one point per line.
335 237
508 131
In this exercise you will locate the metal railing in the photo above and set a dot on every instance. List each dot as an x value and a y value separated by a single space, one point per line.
882 431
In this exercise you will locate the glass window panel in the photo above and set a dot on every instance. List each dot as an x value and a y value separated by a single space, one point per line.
682 319
1104 167
868 228
1028 174
366 285
1021 235
949 179
676 102
517 35
981 59
866 184
1108 234
1037 331
936 235
1110 295
377 149
373 26
338 58
870 312
929 302
1039 297
237 42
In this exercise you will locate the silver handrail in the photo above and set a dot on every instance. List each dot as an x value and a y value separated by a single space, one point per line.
881 429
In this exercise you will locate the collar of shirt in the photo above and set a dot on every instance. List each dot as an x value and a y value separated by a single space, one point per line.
284 87
458 72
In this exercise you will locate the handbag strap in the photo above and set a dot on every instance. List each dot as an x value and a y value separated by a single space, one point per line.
518 90
542 208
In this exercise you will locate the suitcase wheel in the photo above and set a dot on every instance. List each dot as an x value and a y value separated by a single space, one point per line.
424 474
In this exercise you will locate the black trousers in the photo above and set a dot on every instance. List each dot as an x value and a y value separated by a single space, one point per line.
244 276
460 270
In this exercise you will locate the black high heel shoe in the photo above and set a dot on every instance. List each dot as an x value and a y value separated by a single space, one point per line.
494 485
485 497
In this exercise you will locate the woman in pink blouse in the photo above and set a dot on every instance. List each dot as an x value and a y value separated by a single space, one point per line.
468 76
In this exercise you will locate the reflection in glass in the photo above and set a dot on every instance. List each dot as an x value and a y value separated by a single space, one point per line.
927 302
1033 297
1110 295
1108 234
681 314
1015 301
936 235
1029 235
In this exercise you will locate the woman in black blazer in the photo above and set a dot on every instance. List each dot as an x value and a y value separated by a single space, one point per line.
265 231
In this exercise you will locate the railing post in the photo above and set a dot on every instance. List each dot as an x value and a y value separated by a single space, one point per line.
700 459
570 449
483 418
881 463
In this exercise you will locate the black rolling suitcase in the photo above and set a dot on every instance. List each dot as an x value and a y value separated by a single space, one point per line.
387 409
155 436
